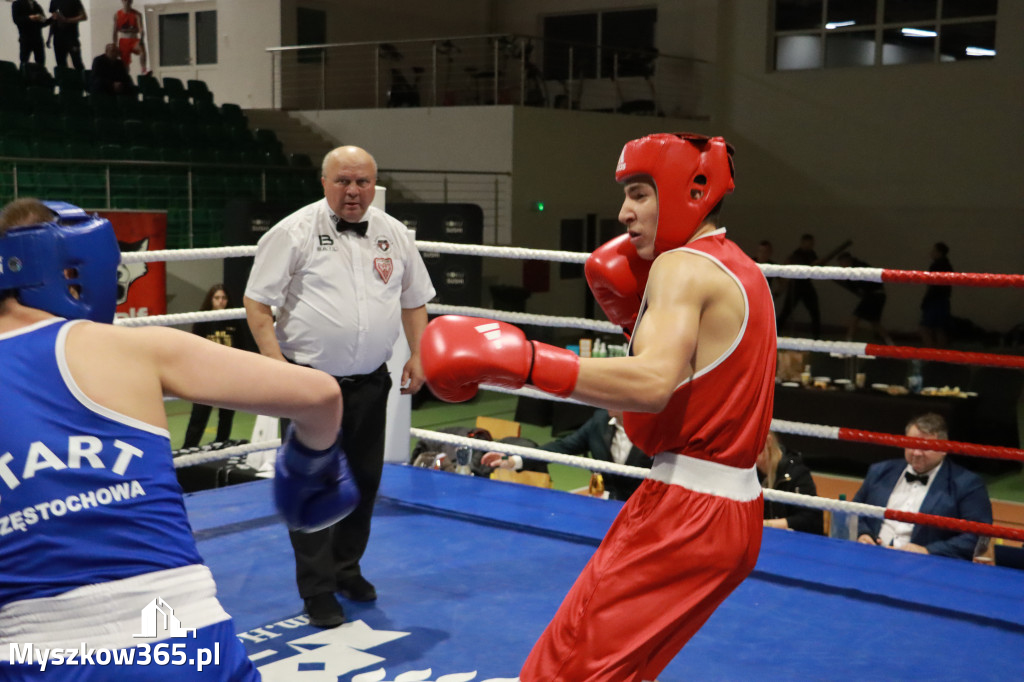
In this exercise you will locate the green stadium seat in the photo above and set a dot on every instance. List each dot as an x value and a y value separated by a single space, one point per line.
198 91
36 77
112 152
149 88
69 80
174 89
233 116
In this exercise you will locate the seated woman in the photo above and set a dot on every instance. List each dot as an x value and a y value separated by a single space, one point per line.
782 469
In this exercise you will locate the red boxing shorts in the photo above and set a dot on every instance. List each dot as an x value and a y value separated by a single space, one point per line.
128 47
670 558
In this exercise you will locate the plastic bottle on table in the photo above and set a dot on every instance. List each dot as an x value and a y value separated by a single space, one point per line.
462 460
840 526
914 379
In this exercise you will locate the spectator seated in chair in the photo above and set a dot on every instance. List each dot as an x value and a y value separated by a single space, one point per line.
783 469
600 437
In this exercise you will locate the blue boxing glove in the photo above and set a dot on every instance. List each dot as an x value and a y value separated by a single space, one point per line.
313 489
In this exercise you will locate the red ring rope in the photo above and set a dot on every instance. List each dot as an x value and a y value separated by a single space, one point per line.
950 356
971 279
947 523
973 449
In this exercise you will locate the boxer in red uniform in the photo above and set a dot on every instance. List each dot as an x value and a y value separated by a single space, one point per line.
129 34
696 388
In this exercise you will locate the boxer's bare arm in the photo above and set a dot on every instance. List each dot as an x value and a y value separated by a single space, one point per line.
694 312
130 370
261 323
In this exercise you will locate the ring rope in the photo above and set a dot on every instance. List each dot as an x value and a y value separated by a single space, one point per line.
182 461
811 501
848 348
894 440
784 271
835 432
601 466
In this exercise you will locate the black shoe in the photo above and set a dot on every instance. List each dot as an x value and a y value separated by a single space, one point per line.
324 611
357 588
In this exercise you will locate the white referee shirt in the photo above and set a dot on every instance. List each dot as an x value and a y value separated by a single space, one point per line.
339 296
906 497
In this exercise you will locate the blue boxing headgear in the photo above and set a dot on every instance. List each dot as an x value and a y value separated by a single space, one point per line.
43 262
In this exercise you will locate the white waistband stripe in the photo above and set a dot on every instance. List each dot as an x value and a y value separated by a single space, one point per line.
109 615
702 476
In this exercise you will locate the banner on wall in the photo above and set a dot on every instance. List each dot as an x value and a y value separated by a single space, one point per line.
141 287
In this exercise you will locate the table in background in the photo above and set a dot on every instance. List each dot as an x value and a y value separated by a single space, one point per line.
874 410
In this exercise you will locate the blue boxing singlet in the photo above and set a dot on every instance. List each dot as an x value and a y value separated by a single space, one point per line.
87 495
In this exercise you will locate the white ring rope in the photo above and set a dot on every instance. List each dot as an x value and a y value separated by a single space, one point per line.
784 271
784 343
601 466
195 458
780 426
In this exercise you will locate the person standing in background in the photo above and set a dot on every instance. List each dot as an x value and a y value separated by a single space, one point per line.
28 16
935 306
130 35
66 16
223 332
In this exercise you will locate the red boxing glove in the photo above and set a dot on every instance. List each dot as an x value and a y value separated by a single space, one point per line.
618 277
460 353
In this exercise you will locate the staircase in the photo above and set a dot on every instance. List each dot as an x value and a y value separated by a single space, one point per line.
296 137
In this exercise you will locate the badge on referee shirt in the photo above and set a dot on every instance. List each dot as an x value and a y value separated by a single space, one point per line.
384 268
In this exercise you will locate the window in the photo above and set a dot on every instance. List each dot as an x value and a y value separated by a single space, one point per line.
815 34
600 44
187 38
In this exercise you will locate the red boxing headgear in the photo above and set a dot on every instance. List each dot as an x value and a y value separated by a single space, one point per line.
680 165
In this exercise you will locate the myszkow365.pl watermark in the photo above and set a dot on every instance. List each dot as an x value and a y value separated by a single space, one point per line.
158 620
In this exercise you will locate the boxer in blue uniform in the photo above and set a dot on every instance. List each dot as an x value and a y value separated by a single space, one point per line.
93 528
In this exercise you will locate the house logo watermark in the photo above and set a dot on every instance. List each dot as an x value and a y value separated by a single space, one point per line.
158 620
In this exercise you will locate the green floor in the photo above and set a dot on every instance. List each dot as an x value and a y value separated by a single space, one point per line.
436 415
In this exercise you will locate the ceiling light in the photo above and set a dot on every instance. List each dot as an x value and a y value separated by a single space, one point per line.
918 33
838 24
980 52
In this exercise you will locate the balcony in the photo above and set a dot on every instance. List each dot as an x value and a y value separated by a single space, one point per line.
485 71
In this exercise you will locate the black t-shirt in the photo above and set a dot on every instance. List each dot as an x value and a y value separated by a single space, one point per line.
938 292
28 30
67 8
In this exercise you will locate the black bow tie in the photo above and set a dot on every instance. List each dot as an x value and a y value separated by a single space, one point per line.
920 478
343 226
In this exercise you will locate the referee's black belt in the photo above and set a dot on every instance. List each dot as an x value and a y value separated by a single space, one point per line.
351 378
356 378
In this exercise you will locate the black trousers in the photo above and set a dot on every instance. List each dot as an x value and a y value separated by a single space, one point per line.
197 424
29 48
64 47
801 291
332 554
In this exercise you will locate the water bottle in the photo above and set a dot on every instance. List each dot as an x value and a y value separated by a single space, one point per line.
840 526
462 459
914 379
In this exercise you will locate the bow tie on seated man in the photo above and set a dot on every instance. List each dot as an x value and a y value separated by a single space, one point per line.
912 477
344 226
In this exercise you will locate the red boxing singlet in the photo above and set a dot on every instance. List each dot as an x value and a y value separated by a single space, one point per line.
724 411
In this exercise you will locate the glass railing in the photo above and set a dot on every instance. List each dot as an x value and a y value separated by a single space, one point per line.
488 70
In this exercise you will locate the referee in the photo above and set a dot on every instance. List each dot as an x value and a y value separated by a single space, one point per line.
346 279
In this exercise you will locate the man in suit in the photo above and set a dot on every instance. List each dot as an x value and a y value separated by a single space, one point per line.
924 482
603 438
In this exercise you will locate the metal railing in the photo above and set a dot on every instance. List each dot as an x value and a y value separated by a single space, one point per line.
193 194
491 191
488 70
